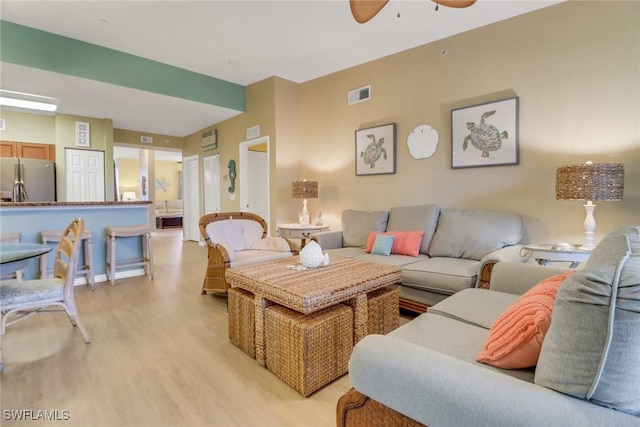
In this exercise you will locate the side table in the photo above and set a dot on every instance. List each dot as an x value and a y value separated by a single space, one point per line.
299 231
546 254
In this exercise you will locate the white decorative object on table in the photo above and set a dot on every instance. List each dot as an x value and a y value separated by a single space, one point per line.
311 255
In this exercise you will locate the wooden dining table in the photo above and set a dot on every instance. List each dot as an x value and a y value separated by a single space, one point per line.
16 256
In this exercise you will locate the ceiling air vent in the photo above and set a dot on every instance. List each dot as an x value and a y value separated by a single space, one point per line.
146 139
359 95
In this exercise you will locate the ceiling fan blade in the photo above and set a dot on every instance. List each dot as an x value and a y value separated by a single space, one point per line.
364 10
459 4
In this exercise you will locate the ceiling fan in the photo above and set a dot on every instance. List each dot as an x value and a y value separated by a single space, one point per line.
364 10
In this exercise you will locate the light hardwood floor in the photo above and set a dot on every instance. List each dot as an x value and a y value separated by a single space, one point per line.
159 356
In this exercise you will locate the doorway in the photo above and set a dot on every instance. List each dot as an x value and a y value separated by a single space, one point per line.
254 177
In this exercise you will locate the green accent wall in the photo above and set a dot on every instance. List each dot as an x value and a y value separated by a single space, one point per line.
39 49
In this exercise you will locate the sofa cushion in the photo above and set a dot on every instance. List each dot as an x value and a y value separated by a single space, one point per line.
238 234
174 206
356 226
395 260
592 349
463 306
441 390
277 244
409 218
346 252
404 242
473 234
516 337
160 206
382 244
448 335
251 256
441 275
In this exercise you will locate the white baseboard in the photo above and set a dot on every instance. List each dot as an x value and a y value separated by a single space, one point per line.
103 277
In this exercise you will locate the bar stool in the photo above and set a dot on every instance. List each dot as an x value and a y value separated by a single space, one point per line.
144 232
86 268
11 238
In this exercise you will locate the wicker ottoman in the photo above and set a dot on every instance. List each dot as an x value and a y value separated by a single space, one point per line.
241 320
383 307
308 351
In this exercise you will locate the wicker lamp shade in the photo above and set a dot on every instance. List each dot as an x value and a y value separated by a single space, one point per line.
590 181
304 189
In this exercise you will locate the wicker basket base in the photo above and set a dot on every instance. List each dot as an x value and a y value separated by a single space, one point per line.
241 320
308 351
383 311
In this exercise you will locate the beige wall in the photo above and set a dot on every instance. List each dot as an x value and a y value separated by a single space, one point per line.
167 173
128 174
23 127
160 142
575 68
129 171
101 139
273 105
260 107
61 130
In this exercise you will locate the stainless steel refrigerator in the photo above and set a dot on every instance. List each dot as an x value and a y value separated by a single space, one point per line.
27 180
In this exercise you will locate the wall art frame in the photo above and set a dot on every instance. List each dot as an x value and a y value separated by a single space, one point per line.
486 134
210 140
376 150
83 134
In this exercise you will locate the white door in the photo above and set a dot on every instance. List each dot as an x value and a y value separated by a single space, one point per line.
191 215
254 178
84 175
257 195
211 166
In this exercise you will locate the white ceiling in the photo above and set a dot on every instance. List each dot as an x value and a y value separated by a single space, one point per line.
238 41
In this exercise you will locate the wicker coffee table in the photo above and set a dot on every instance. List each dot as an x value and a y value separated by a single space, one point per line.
307 291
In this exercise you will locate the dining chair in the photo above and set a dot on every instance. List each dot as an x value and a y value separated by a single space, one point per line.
22 299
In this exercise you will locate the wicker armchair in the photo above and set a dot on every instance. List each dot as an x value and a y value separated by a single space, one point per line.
227 250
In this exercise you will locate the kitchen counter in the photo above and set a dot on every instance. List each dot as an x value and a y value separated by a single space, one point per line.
30 218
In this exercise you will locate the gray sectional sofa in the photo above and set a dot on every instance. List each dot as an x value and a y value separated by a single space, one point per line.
587 373
458 247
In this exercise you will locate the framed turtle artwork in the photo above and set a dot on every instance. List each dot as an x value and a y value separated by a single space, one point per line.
376 150
485 134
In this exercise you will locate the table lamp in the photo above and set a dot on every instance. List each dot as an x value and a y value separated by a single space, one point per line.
304 190
590 181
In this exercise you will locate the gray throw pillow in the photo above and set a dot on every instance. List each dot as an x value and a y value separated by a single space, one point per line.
356 226
592 348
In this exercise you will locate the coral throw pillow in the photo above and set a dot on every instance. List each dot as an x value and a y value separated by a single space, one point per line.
404 242
515 339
